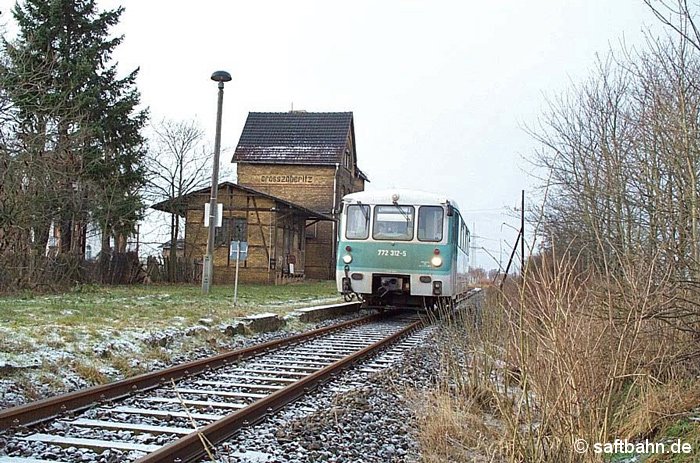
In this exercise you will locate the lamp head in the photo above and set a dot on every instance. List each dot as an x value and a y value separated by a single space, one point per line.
221 76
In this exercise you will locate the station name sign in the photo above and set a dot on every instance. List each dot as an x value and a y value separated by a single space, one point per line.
286 179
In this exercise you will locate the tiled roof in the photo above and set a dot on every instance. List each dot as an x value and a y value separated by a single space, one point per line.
294 138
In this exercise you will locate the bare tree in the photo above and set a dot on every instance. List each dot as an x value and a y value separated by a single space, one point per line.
678 16
179 164
622 152
585 138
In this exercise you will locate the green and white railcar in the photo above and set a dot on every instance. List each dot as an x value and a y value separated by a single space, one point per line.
402 248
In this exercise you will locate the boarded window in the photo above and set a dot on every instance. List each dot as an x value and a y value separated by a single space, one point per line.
311 230
232 229
287 239
299 236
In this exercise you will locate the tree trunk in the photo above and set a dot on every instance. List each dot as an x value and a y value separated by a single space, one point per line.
105 255
66 228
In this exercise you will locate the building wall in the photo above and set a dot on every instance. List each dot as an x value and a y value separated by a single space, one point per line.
320 252
312 187
267 255
166 253
308 186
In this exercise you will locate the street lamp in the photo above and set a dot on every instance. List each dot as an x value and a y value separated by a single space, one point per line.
208 264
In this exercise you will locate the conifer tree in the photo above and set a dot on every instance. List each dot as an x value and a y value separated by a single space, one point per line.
78 124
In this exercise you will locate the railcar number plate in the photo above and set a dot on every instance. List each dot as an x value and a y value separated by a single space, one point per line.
391 253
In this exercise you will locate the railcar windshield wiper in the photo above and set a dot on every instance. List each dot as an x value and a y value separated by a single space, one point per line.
406 216
365 210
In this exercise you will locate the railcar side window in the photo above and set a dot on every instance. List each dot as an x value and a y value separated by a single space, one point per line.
357 227
430 223
393 223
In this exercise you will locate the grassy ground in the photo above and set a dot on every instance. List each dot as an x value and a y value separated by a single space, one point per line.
154 306
96 334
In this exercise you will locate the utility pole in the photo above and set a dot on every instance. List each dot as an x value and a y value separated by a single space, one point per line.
208 264
521 238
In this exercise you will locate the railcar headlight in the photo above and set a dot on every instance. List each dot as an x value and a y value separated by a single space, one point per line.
347 258
436 261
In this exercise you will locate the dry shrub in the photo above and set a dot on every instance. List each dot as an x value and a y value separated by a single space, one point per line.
657 406
158 353
462 419
126 366
452 428
587 343
90 373
563 354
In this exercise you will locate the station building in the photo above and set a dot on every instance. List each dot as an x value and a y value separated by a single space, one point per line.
293 169
310 159
266 230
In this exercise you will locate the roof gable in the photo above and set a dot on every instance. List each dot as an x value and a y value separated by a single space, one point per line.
294 138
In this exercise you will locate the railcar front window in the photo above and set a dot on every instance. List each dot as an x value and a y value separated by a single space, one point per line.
357 227
393 223
430 223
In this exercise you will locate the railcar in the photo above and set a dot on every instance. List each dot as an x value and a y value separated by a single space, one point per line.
402 248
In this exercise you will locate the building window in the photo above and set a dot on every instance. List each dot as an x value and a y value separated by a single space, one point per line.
311 230
232 229
348 160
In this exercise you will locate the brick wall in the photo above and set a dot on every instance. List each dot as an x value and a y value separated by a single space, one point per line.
265 237
311 187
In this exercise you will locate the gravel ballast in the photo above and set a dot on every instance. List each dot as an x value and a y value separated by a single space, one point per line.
358 417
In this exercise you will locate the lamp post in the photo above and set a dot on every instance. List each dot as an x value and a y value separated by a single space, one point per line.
208 264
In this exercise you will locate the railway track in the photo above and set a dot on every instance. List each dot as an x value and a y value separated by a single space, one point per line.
177 414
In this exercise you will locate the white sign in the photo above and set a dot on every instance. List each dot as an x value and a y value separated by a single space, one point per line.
235 250
219 214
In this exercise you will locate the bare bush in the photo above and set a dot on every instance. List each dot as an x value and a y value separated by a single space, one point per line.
564 354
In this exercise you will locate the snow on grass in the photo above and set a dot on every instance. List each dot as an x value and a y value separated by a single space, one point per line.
57 343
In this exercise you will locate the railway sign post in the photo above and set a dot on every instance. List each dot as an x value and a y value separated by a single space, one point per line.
235 285
239 251
219 214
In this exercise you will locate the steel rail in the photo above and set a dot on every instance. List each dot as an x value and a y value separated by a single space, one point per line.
48 408
190 448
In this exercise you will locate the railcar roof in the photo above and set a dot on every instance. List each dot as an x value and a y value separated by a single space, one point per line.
405 197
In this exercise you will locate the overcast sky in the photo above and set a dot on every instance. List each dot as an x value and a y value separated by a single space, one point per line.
440 90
